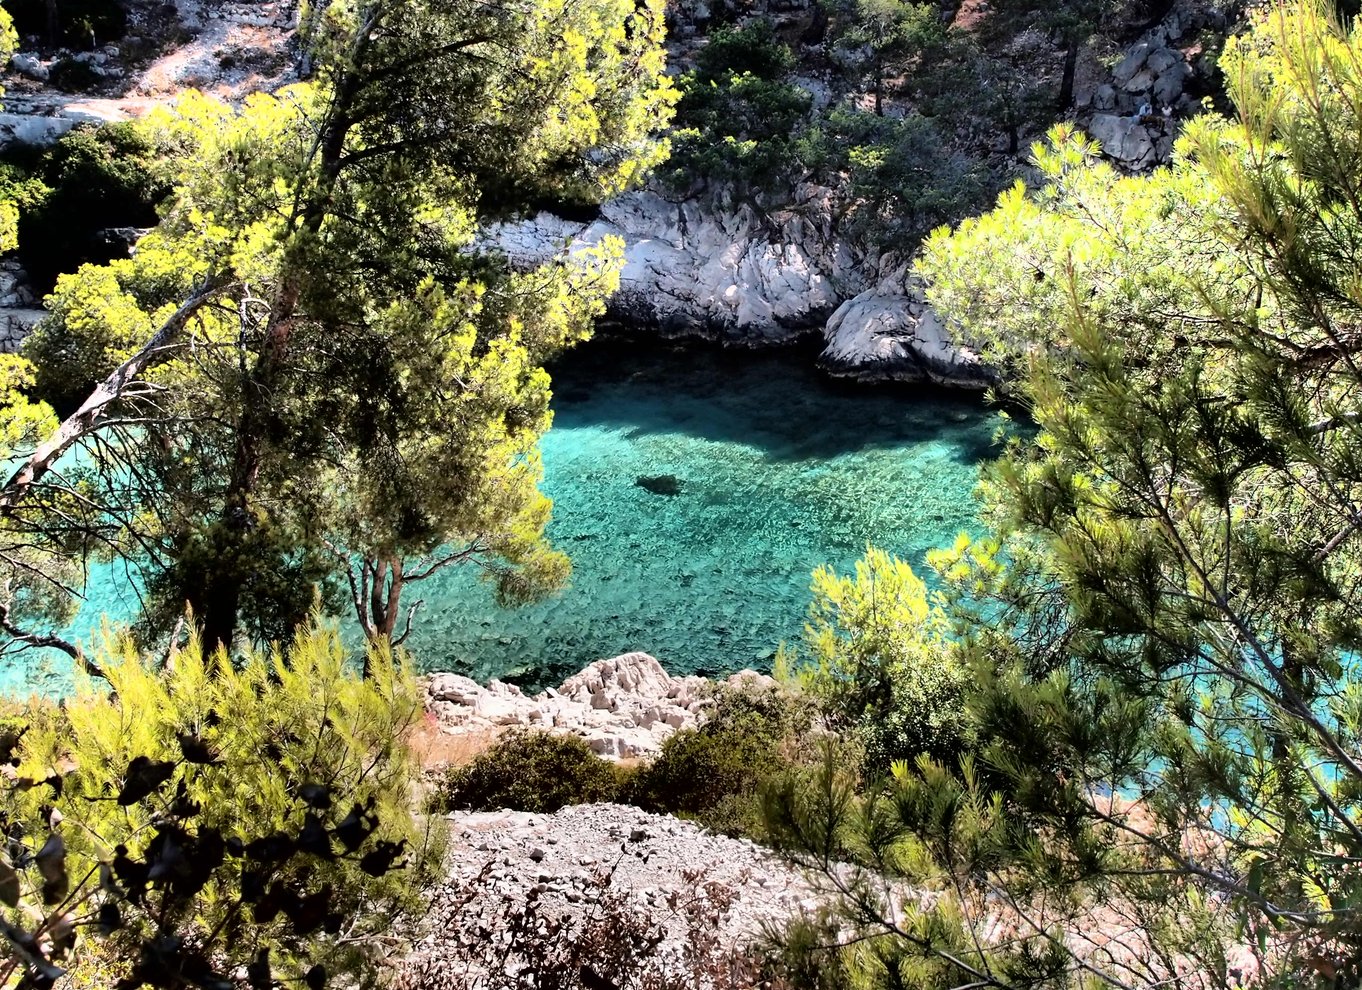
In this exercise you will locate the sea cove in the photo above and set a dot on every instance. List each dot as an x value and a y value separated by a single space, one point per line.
694 489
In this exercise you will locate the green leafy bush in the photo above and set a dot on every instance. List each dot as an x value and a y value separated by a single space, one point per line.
712 774
205 817
715 773
93 179
530 771
739 118
882 662
905 179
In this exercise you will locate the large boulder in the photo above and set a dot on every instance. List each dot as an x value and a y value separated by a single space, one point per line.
1135 142
879 336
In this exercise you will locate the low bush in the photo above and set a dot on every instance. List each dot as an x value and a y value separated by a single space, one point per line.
740 117
714 774
72 75
530 771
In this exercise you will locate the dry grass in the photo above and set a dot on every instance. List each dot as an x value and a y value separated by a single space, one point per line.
435 747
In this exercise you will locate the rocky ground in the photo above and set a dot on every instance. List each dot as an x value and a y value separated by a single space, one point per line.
595 874
624 707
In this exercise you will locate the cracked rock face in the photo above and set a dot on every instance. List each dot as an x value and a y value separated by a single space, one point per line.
742 276
624 707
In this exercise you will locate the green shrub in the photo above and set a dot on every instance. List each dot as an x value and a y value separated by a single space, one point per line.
212 815
714 774
93 179
739 117
753 49
71 75
530 771
883 664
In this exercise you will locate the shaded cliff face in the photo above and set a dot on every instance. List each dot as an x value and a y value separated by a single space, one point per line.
801 237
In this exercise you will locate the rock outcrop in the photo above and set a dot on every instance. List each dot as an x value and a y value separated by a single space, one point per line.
728 271
19 311
1134 112
624 707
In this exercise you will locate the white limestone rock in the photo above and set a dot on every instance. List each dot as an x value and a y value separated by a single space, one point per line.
739 274
894 336
625 707
28 64
1136 143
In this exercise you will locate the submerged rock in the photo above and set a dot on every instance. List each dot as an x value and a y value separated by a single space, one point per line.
660 484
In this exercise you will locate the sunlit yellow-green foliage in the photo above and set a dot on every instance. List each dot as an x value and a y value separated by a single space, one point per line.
878 656
366 386
296 715
1161 638
9 212
24 420
232 170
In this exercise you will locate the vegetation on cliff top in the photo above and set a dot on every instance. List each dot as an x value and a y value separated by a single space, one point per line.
1160 642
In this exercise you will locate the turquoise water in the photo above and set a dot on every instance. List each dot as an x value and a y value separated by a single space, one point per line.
779 470
776 469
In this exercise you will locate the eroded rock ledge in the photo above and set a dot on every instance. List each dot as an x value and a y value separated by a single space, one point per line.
624 707
732 272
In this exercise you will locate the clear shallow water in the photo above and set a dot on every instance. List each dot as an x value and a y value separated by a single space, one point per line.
779 468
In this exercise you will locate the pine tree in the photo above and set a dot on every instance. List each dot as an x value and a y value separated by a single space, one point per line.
309 372
1162 642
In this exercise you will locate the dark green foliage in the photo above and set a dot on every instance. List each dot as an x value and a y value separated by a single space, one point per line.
714 774
79 24
71 75
754 49
905 177
740 119
95 178
530 771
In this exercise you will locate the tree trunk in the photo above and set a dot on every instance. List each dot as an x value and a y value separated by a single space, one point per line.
879 88
1066 82
221 603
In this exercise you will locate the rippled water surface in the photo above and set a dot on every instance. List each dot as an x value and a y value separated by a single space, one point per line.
776 469
695 491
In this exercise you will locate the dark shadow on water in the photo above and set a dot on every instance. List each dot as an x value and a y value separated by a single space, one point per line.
777 401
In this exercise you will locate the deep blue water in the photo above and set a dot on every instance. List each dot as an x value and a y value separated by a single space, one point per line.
779 469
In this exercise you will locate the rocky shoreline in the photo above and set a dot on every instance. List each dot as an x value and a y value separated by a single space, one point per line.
625 707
